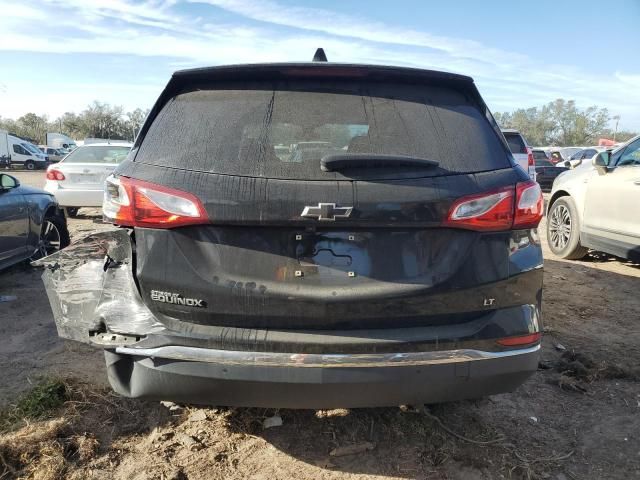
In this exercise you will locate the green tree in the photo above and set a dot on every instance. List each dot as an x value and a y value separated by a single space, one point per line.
102 120
70 124
8 124
558 123
134 122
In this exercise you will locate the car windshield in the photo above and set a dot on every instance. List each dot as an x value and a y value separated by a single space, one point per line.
543 163
539 155
31 148
98 154
516 143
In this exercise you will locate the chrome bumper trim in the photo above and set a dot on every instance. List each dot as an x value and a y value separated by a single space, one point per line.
266 359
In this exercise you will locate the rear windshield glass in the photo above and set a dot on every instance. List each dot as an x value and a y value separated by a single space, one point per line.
539 155
278 130
105 154
516 143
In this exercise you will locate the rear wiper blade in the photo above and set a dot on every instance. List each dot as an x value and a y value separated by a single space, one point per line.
340 161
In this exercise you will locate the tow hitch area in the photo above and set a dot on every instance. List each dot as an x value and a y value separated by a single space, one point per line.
92 292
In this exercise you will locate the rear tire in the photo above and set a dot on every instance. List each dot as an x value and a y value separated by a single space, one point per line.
563 230
54 236
30 165
72 211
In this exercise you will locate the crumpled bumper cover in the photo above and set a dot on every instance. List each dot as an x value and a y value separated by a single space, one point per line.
91 289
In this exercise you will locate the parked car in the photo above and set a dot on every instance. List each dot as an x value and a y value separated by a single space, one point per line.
596 208
78 180
539 154
31 224
521 151
546 173
581 156
563 154
54 154
403 269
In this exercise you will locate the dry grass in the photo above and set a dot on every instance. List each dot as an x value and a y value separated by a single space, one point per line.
36 446
95 431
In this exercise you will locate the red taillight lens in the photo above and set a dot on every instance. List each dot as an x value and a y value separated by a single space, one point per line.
530 160
499 210
529 205
520 340
135 203
55 175
491 211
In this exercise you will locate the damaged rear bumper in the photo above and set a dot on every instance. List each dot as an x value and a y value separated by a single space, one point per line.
95 300
92 291
256 379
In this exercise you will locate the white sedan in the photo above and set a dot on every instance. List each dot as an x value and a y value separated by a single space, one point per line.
596 206
78 179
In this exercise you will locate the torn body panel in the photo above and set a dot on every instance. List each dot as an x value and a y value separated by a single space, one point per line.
92 291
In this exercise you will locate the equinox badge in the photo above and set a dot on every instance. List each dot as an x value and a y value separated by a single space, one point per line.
326 212
176 299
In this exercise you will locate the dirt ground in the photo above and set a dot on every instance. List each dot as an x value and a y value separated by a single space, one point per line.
578 417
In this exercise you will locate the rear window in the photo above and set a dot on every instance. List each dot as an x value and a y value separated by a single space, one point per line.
280 130
539 155
516 143
102 154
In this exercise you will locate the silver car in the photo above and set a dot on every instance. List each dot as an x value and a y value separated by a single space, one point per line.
596 206
54 154
78 179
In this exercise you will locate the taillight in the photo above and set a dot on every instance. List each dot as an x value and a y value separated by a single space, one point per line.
491 211
529 205
135 203
531 162
53 174
520 340
497 210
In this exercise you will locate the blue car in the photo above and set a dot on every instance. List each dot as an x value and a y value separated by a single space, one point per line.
31 223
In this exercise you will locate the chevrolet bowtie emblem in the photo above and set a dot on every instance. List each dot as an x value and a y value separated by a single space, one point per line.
326 212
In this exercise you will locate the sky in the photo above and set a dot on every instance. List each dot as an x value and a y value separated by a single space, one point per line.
60 55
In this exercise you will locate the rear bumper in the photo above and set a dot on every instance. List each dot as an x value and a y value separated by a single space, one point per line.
75 198
255 379
94 300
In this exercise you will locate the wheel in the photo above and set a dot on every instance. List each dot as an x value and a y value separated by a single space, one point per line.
563 230
30 165
53 237
72 211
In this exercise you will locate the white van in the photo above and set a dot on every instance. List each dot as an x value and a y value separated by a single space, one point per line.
5 156
25 154
60 141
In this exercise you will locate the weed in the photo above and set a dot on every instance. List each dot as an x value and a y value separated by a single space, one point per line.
48 395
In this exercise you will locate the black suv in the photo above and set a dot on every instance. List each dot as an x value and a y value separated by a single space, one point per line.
384 253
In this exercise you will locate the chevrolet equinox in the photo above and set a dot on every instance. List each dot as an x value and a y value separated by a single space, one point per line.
311 235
